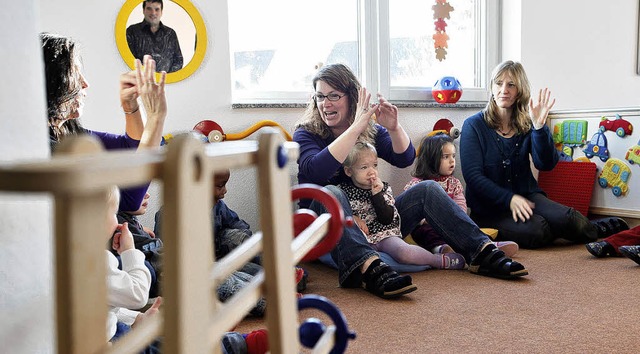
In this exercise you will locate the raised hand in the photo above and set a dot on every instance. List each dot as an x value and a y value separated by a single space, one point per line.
387 114
363 110
541 108
151 92
153 98
128 91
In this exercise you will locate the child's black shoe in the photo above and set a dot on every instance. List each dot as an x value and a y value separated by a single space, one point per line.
631 252
380 280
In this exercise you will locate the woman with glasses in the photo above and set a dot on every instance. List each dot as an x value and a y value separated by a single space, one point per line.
339 115
501 191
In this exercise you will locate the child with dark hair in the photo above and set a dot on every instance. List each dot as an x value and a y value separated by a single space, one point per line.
128 289
437 161
229 232
145 240
128 279
374 211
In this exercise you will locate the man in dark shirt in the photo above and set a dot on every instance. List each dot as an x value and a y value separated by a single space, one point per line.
152 37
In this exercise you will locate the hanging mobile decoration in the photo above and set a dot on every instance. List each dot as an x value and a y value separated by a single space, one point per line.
441 11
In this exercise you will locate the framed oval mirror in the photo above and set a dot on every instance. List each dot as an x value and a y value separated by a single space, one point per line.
180 17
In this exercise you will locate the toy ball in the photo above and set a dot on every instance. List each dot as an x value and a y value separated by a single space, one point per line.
206 126
310 332
447 90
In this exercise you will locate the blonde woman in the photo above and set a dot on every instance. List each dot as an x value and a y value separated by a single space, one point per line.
496 145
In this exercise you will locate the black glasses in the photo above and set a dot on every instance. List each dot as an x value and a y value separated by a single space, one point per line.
318 97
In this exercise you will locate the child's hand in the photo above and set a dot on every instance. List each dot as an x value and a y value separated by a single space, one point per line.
123 239
155 308
149 231
376 185
361 224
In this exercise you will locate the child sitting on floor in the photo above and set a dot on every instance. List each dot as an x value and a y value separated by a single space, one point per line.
128 288
437 161
229 232
144 240
375 213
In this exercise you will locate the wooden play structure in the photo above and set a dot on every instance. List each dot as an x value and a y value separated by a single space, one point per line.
191 319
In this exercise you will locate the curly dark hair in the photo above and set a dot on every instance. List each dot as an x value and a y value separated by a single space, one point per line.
429 155
63 82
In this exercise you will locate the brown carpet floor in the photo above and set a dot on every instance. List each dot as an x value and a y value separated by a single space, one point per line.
571 302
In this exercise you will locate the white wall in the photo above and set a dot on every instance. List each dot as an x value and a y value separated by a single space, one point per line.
584 51
511 18
26 307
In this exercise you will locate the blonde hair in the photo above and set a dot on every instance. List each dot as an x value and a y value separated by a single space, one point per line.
113 197
356 151
520 114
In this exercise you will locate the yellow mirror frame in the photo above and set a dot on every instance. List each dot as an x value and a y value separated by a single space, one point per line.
201 35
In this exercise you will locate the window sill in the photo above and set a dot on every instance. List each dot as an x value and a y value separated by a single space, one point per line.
399 104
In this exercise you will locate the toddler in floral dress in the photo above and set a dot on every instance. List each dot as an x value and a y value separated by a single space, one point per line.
374 211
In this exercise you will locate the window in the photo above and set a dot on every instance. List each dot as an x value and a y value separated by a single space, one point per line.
388 44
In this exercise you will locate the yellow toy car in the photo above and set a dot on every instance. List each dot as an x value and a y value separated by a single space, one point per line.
633 154
615 174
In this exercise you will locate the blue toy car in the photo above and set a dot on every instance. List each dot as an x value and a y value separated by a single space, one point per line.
597 147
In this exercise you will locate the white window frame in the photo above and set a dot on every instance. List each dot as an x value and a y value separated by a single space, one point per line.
374 39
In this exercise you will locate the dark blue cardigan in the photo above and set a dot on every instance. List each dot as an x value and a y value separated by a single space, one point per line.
495 168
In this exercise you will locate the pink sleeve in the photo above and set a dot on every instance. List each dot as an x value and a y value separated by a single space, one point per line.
412 183
458 195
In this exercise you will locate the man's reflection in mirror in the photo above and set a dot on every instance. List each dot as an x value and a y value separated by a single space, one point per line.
154 38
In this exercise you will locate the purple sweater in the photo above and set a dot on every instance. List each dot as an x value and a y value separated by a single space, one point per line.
130 198
317 165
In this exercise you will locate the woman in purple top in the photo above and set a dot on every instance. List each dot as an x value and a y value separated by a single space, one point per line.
66 91
339 115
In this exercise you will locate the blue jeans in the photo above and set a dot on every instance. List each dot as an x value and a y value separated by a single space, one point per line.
237 281
352 249
426 200
550 221
121 329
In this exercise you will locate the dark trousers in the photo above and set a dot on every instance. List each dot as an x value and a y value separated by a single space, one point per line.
550 221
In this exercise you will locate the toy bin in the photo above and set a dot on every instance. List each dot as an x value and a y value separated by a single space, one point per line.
570 183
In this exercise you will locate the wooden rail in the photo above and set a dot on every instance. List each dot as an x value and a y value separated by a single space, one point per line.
191 320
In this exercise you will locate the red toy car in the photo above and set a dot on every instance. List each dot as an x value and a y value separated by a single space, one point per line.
618 125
